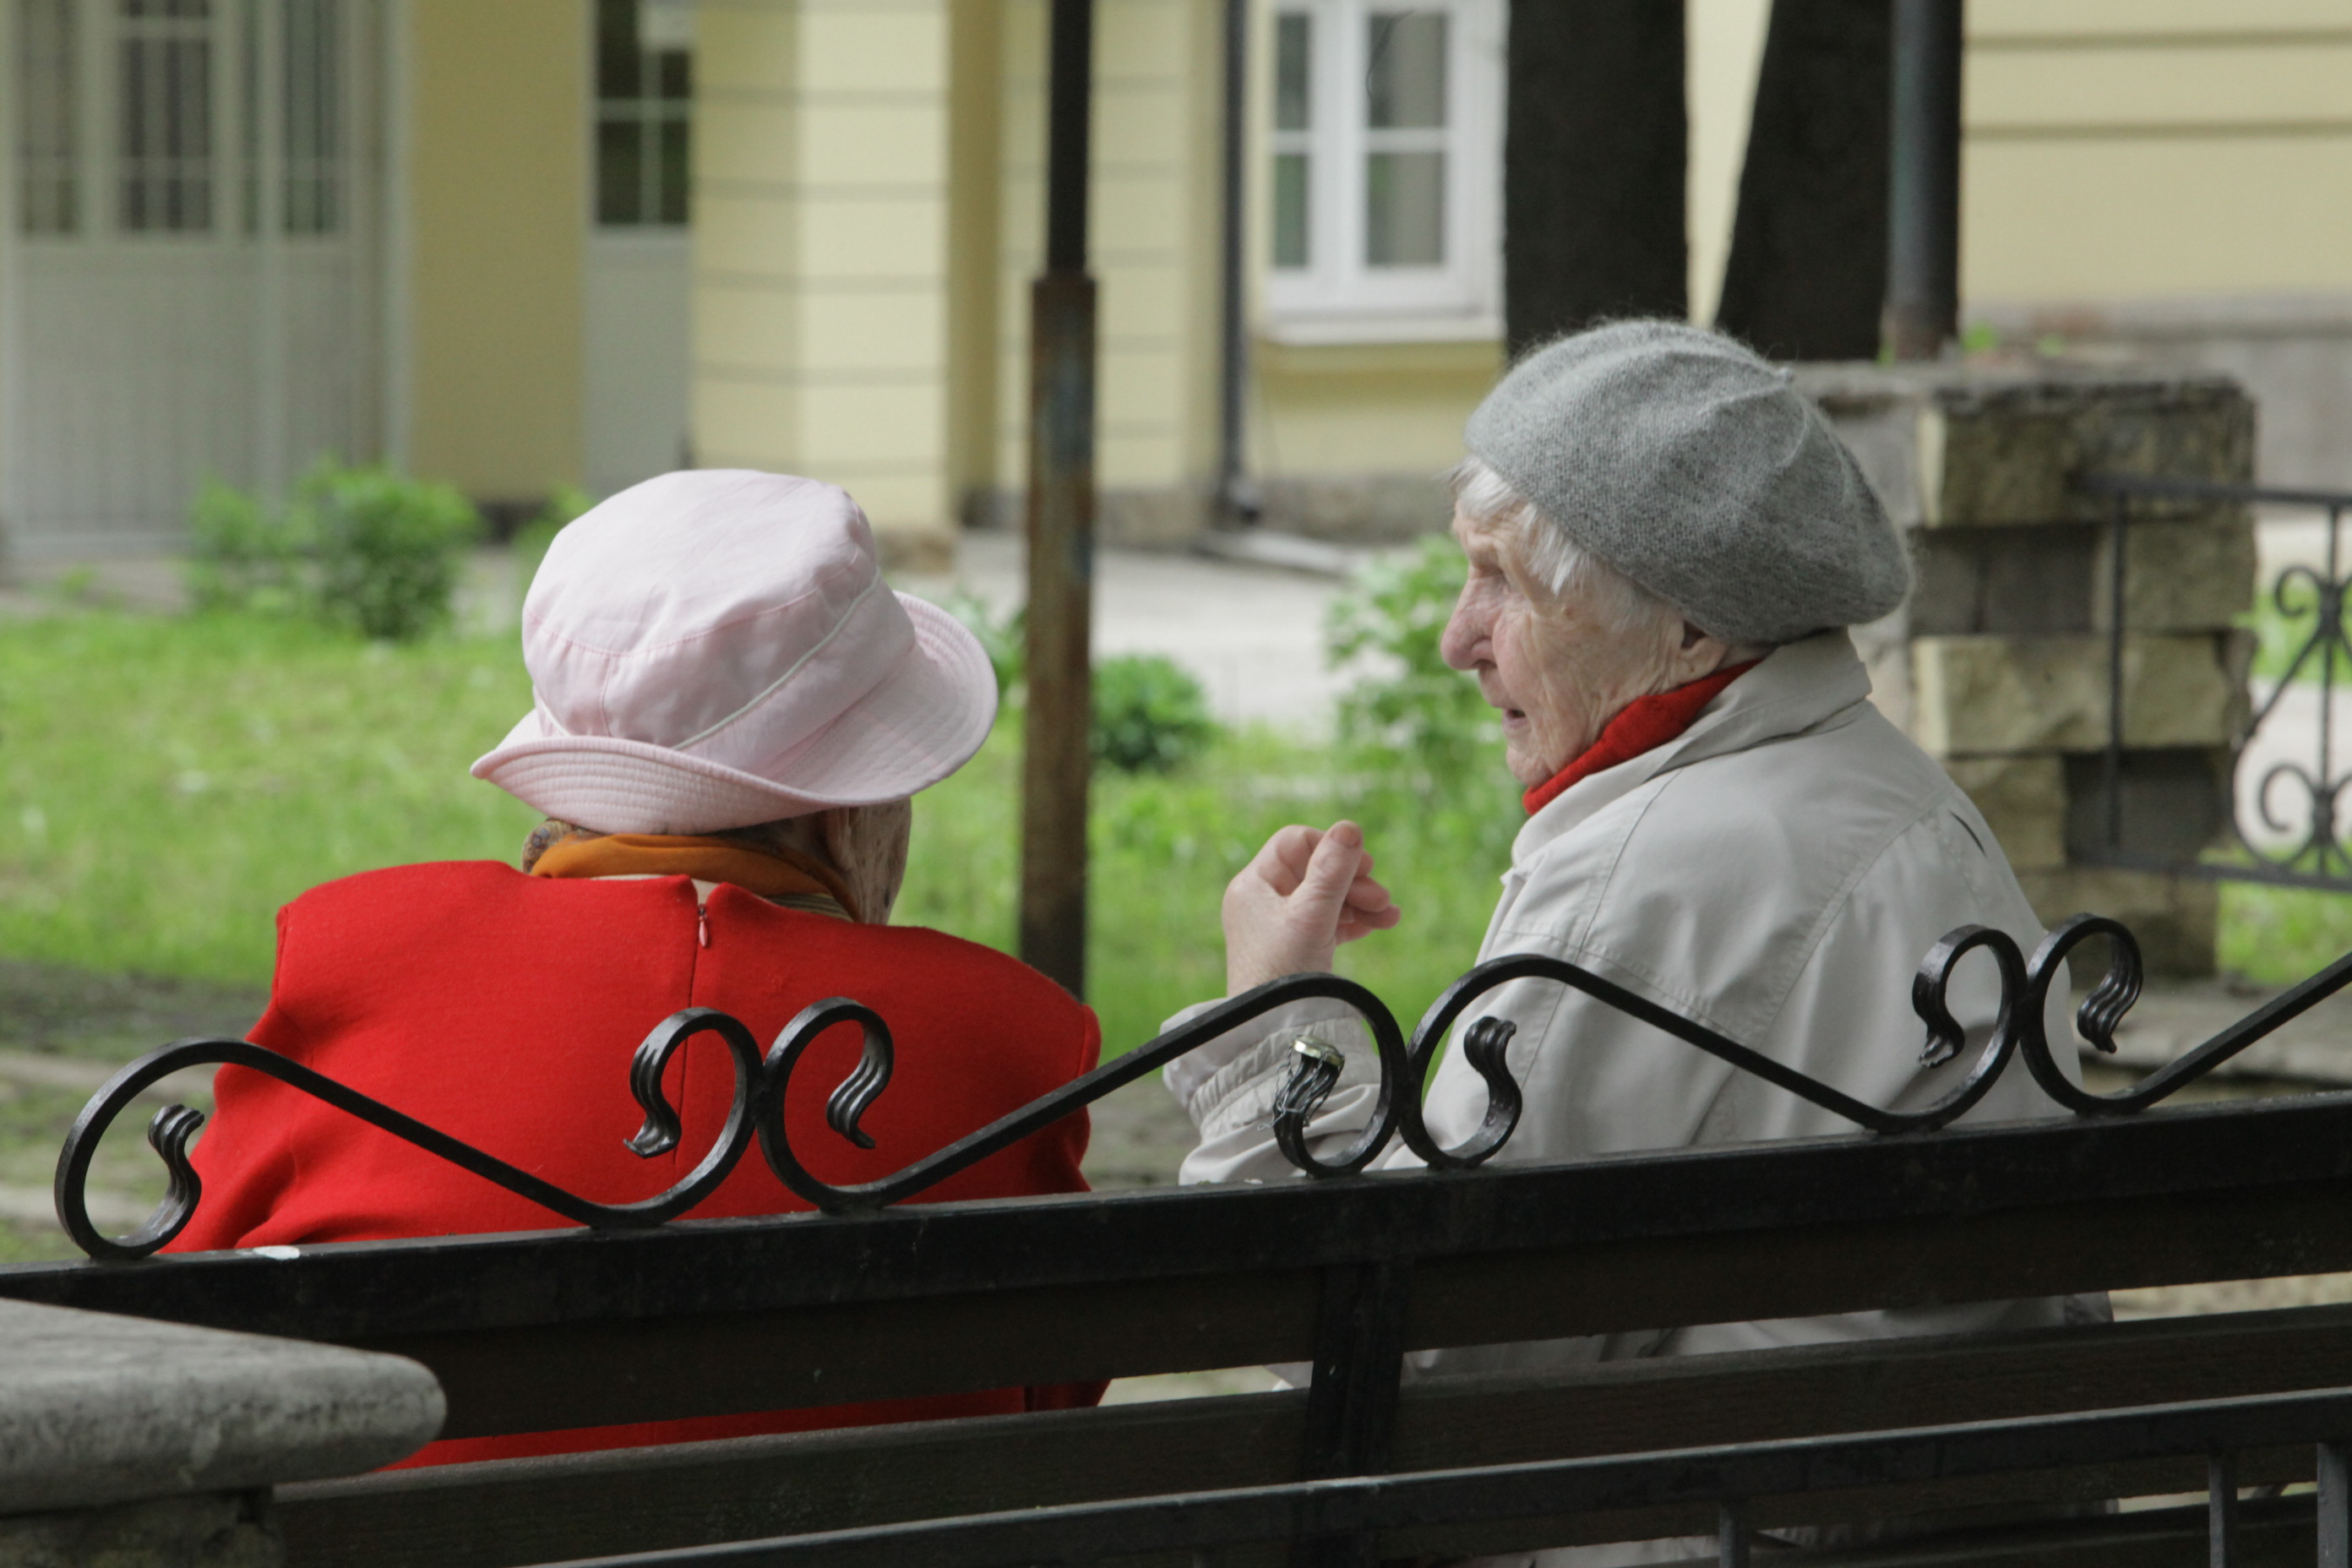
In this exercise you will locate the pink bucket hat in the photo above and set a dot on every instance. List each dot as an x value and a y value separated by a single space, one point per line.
716 648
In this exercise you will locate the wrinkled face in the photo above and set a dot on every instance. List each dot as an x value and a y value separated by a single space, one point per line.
1554 667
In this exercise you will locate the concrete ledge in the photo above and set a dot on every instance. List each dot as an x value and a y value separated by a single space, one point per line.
103 1409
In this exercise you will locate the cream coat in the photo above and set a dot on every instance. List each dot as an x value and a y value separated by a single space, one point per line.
1775 873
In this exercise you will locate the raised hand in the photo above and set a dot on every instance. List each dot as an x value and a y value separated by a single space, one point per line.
1305 892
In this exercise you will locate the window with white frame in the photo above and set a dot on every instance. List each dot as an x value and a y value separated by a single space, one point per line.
1385 185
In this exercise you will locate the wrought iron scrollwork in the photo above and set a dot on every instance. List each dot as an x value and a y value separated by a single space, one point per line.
2101 1012
761 1086
872 1074
171 1129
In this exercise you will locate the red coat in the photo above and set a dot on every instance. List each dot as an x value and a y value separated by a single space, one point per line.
503 1009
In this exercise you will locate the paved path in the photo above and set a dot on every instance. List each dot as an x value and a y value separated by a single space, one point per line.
1252 635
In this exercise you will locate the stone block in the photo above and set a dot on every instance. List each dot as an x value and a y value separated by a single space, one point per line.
2179 575
208 1532
1996 695
2174 805
1969 445
103 1410
2023 800
2172 917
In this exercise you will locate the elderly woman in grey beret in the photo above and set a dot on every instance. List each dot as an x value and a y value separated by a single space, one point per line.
1665 545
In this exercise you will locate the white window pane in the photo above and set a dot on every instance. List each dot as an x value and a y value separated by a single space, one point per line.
1290 211
1404 209
1404 76
1293 106
47 197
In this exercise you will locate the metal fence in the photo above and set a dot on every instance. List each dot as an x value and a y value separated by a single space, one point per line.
2281 825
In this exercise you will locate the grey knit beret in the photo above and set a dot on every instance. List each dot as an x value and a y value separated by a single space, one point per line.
1692 466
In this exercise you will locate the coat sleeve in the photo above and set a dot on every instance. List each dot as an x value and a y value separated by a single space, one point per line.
242 1166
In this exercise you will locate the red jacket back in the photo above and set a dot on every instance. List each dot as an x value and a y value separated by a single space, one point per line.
504 1009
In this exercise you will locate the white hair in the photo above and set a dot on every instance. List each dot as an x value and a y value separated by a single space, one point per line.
1567 568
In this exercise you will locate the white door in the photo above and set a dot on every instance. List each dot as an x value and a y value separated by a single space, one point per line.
192 282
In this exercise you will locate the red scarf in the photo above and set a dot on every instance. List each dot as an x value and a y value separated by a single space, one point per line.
1646 723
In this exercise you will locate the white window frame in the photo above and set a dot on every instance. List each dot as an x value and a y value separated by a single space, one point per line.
1337 298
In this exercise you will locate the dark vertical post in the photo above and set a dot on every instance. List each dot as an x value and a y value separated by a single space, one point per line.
1234 502
1731 1543
1806 278
1594 146
2221 1510
1057 767
1351 1403
1923 194
2334 1506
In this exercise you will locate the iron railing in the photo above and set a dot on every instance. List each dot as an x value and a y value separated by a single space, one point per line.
2314 852
761 1086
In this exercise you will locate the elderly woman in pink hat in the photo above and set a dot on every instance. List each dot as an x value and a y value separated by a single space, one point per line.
730 710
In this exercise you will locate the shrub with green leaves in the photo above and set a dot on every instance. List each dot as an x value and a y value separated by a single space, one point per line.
388 550
1150 715
1405 703
362 548
1004 638
240 558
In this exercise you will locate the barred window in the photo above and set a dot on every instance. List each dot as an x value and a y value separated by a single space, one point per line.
644 110
48 184
166 158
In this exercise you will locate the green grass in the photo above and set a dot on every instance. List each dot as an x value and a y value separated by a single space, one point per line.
166 784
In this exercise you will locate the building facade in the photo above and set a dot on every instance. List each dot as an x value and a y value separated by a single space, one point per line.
523 243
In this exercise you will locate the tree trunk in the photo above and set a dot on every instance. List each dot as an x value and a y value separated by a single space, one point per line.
1806 272
1593 159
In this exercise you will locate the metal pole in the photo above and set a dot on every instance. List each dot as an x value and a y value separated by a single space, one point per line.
1236 502
2334 1506
1922 206
1059 766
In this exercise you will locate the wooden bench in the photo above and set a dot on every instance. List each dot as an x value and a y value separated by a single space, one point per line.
695 1318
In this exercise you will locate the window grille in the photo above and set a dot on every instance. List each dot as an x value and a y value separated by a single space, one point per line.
313 117
644 113
165 48
49 189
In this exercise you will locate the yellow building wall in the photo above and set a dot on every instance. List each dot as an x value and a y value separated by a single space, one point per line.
1153 239
2122 149
496 225
821 252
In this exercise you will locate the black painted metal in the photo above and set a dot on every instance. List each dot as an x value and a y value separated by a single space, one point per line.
1203 1521
762 1089
2317 854
1923 249
175 1125
1351 1402
2335 1505
2260 1153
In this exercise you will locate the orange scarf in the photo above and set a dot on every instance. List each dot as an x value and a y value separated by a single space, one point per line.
1647 723
769 873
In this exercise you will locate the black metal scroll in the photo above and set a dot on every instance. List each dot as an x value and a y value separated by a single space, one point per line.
760 1087
173 1126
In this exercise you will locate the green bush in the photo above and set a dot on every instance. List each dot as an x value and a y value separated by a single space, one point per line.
240 558
387 550
1405 702
1004 638
1151 716
362 548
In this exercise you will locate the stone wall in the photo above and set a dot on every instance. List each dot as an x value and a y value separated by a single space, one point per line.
1997 664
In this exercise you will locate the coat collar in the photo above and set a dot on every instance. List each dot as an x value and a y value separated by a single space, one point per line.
1814 683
